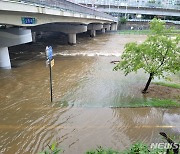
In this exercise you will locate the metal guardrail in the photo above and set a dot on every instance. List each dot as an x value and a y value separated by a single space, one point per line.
145 20
132 3
68 6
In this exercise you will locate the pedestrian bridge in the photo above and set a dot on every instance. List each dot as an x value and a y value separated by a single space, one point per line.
21 20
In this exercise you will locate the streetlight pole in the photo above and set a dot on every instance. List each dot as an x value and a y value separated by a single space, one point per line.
109 5
126 11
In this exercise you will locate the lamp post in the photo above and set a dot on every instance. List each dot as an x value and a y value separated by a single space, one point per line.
126 11
109 5
94 4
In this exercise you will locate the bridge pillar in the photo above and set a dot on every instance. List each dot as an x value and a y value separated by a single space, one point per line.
116 26
72 39
113 27
4 58
71 29
93 33
10 37
93 27
103 30
34 36
107 27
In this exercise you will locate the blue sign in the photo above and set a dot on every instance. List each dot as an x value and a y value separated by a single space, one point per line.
49 53
28 20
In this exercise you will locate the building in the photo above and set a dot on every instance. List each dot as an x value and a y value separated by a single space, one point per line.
173 4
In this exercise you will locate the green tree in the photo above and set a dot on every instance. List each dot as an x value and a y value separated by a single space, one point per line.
123 20
159 53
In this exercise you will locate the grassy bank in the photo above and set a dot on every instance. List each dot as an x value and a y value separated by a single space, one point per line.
135 32
152 103
171 85
144 32
139 103
138 148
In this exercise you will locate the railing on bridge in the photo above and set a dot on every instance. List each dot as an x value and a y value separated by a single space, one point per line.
146 20
67 6
133 3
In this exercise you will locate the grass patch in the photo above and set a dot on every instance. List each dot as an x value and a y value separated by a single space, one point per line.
135 32
171 85
138 148
145 32
153 103
101 150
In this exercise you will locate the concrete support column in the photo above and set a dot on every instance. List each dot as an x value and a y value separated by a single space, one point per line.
33 36
103 30
113 27
107 27
116 27
72 39
68 28
14 36
93 27
93 33
4 58
10 37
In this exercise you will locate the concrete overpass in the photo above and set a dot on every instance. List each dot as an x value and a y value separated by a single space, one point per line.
158 7
18 19
139 10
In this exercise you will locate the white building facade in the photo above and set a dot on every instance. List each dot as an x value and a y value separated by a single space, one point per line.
171 4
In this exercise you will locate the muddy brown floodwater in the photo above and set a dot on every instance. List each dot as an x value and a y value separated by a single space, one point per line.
87 94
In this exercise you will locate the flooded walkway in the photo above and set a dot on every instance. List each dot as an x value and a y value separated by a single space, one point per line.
87 94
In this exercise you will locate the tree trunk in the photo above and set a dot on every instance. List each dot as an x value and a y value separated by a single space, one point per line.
148 83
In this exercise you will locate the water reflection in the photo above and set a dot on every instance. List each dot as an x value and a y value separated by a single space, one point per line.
79 129
172 119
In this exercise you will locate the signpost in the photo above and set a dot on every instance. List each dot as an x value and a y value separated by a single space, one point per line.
50 62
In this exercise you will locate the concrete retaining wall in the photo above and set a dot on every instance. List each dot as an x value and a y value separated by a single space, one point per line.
141 26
